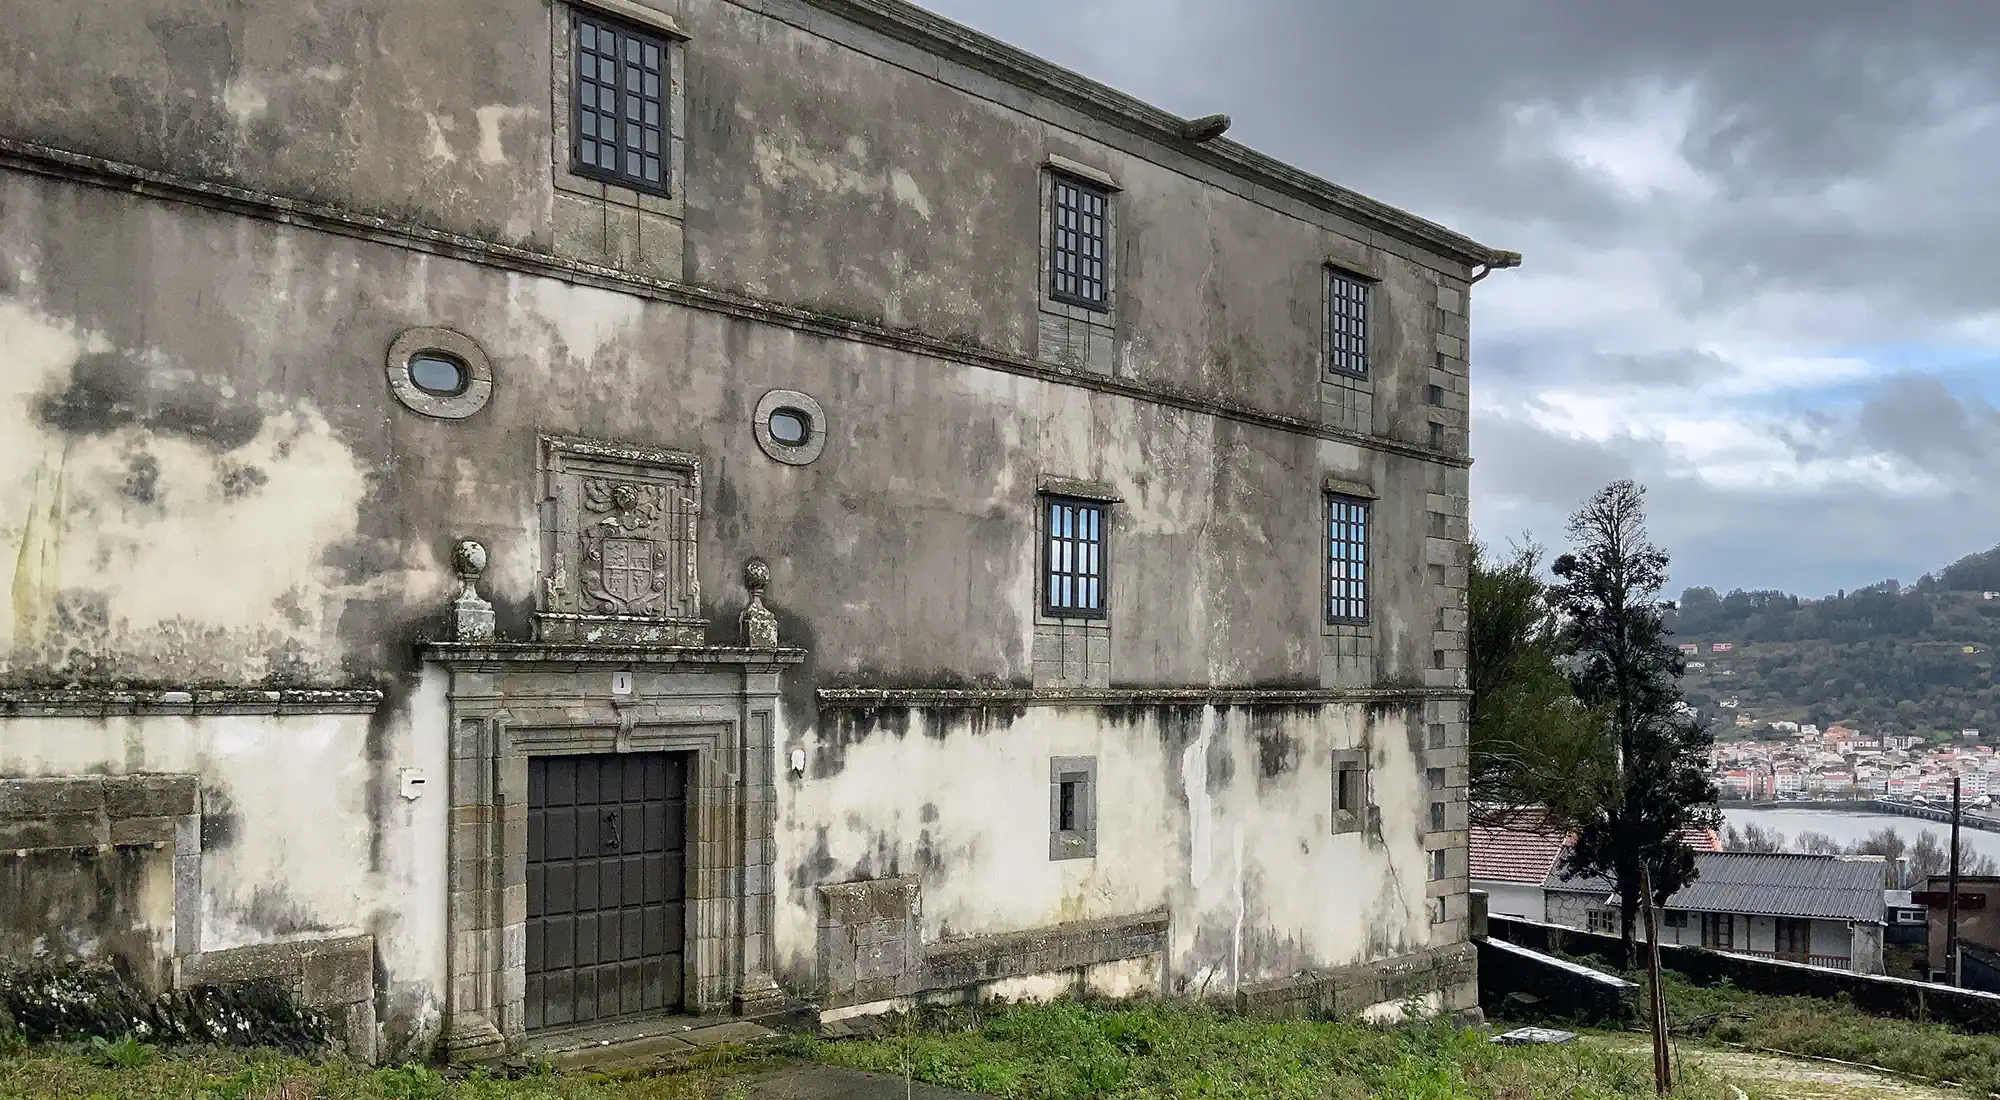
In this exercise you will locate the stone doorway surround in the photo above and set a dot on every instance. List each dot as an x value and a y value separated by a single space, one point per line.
511 701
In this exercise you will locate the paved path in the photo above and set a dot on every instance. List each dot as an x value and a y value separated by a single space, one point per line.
1785 1078
813 1082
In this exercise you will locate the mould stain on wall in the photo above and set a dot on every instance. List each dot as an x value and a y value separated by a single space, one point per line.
1204 810
156 520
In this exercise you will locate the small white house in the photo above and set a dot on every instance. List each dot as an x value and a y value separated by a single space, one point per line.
1821 910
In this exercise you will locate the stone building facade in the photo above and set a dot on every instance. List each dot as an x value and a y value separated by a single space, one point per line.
593 509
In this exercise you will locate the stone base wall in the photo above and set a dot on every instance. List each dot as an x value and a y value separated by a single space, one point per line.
335 977
1449 974
871 946
871 951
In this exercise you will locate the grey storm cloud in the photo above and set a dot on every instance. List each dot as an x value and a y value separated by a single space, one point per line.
1840 156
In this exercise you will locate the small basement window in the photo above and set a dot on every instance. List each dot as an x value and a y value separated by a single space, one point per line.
1073 807
1350 790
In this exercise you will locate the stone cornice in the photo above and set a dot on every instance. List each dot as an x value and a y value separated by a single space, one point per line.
541 653
848 698
118 176
910 24
116 703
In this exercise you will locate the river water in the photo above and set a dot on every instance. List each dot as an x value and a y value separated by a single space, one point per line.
1847 826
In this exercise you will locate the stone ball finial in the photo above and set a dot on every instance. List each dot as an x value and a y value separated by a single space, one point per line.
756 574
470 558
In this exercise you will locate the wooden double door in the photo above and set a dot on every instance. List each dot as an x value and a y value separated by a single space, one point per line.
607 886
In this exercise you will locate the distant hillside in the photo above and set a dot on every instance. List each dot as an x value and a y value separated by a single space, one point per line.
1885 657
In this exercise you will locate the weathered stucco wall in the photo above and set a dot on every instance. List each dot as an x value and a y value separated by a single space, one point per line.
830 167
1223 815
305 520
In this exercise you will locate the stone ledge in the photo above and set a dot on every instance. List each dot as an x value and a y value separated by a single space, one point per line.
95 811
1072 945
114 703
1349 990
862 698
505 653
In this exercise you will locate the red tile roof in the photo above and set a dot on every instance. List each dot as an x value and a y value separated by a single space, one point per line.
1518 851
1524 850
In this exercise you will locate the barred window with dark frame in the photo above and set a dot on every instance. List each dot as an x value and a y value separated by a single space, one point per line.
1346 323
1079 216
1075 574
619 104
1346 559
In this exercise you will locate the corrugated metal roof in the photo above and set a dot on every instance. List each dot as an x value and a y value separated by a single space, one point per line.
1777 884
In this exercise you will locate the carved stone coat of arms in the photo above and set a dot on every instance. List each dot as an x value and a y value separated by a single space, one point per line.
618 530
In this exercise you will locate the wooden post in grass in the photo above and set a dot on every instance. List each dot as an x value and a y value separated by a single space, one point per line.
1657 1001
1951 898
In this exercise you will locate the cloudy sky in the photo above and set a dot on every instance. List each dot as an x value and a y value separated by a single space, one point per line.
1762 242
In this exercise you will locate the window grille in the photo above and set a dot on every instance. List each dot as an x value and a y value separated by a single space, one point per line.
1077 230
620 104
1075 573
1346 559
1346 324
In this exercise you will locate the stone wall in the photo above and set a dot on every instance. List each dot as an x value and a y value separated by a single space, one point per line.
335 977
1965 1009
871 947
108 868
104 867
1517 984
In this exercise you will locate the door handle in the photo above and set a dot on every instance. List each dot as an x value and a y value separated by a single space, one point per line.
611 830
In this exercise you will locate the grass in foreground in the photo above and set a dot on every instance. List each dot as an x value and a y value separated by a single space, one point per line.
1069 1050
1057 1051
129 1070
1832 1029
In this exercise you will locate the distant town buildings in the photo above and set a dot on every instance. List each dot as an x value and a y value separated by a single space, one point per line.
1845 763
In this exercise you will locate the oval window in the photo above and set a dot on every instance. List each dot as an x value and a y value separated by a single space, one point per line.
437 373
790 427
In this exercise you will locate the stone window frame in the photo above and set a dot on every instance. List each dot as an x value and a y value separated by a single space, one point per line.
1079 843
800 454
1067 333
1348 400
1059 634
671 201
412 342
1356 819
